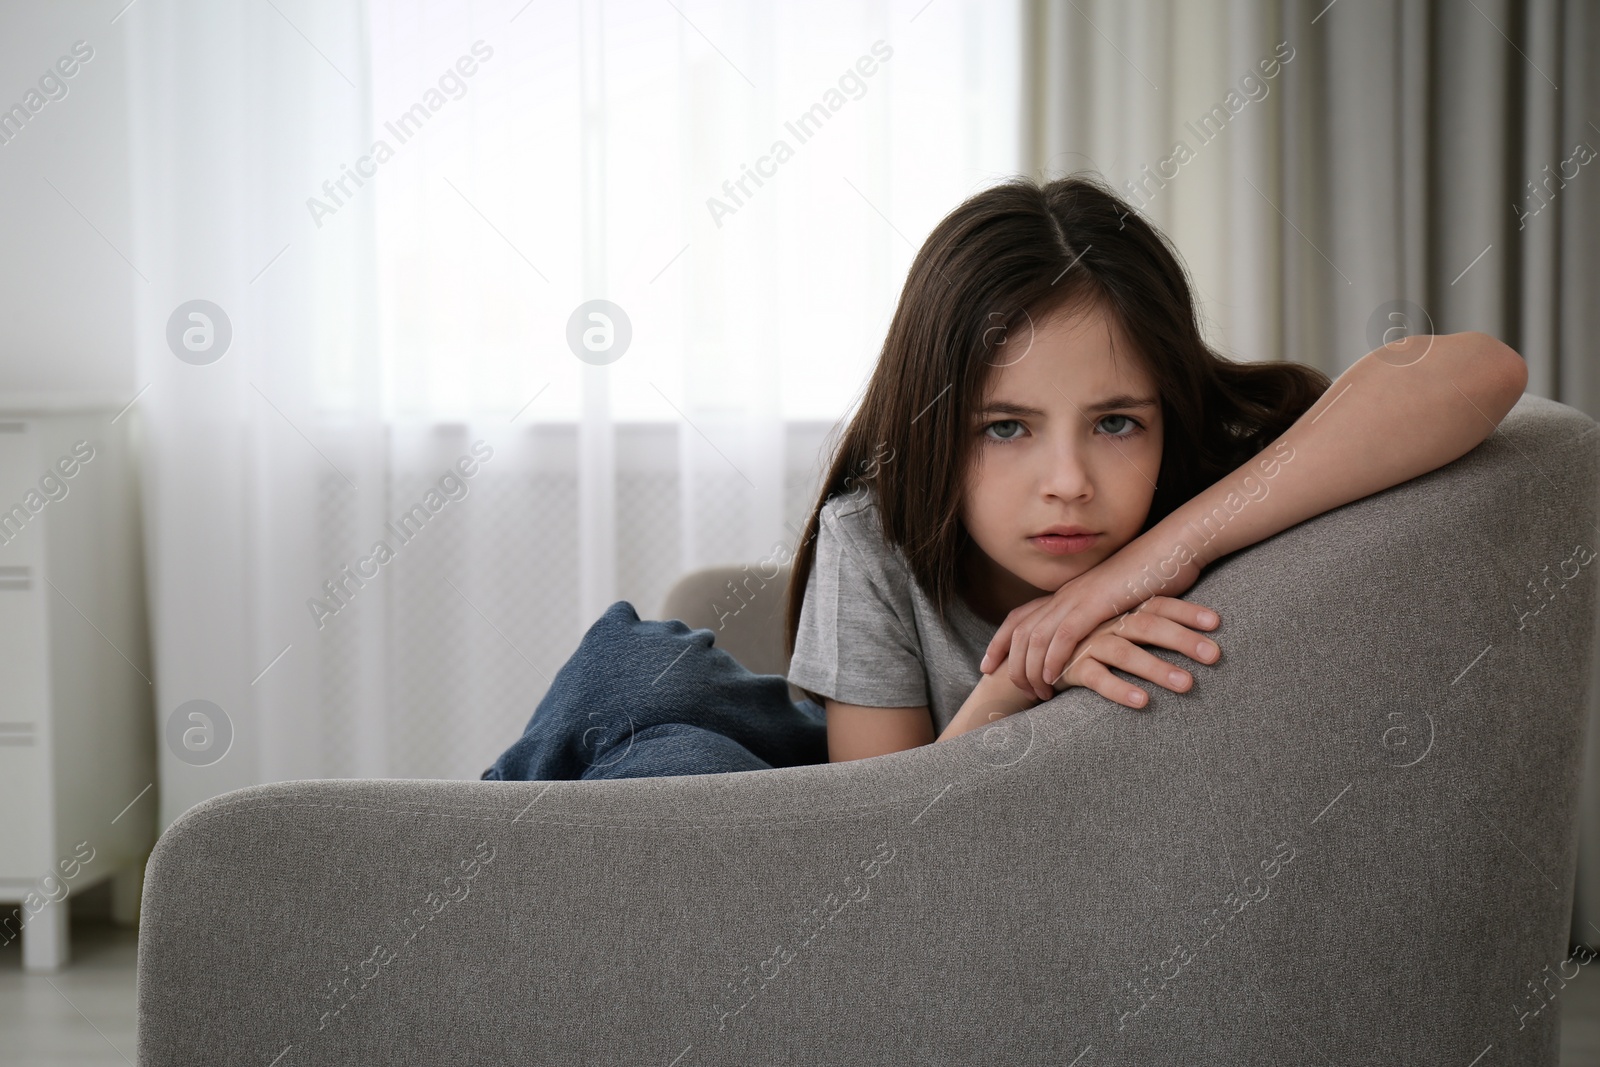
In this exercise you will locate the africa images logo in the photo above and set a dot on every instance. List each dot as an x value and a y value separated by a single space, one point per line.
806 126
410 123
453 485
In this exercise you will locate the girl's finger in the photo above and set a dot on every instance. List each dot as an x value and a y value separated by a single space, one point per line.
1095 676
1190 614
1002 644
1056 655
997 646
1022 640
1017 657
1038 645
1063 643
1129 657
1152 629
1085 650
1056 648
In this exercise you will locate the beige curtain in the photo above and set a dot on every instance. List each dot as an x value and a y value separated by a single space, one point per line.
1325 167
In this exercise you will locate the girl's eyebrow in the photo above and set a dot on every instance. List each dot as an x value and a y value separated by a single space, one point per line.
1110 403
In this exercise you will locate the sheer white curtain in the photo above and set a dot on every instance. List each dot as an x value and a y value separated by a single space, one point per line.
401 208
235 111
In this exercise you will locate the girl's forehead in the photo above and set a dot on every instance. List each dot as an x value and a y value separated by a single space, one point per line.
1082 323
1079 350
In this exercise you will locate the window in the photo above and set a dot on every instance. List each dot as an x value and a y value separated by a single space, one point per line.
748 181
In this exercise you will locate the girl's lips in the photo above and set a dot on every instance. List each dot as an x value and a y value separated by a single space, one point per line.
1057 545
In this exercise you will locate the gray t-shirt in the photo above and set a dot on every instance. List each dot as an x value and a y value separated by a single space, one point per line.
868 633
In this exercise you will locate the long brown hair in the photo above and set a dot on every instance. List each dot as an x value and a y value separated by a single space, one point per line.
1011 255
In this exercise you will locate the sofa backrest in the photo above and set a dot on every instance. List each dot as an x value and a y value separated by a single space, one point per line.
742 605
1400 705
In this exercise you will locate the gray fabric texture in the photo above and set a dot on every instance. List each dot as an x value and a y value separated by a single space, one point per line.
1384 763
868 632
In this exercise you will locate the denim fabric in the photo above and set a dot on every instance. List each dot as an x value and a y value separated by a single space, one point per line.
647 699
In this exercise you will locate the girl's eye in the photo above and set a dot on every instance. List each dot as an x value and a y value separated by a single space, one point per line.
1133 425
1012 436
1006 430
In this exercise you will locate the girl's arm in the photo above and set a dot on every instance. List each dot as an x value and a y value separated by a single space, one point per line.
856 731
859 732
1400 411
994 697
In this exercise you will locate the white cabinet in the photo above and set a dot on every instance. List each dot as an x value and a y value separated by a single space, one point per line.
77 734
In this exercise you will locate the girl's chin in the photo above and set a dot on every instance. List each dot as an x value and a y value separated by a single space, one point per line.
1048 579
1053 575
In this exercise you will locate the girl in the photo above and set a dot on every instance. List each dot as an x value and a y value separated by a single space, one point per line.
1047 456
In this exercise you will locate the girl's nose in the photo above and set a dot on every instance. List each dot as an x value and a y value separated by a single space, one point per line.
1066 475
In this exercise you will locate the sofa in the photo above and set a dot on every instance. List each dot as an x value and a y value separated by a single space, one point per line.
1352 842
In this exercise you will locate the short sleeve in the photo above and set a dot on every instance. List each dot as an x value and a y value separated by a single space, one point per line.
857 638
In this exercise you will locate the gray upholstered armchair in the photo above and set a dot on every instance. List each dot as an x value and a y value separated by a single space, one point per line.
1352 842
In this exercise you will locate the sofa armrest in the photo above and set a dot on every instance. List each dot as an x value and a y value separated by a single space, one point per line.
1352 841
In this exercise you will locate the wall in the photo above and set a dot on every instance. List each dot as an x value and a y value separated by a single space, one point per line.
66 290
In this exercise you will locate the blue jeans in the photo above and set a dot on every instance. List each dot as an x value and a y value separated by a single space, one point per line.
645 699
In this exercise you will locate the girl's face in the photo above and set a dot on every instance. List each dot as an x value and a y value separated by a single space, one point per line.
1067 436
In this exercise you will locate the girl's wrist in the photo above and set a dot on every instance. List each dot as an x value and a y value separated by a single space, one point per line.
1001 695
1159 562
992 699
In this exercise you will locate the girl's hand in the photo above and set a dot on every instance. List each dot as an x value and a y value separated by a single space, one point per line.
1162 621
1041 636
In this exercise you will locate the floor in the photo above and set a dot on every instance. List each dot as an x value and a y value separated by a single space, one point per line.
81 1015
84 1015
